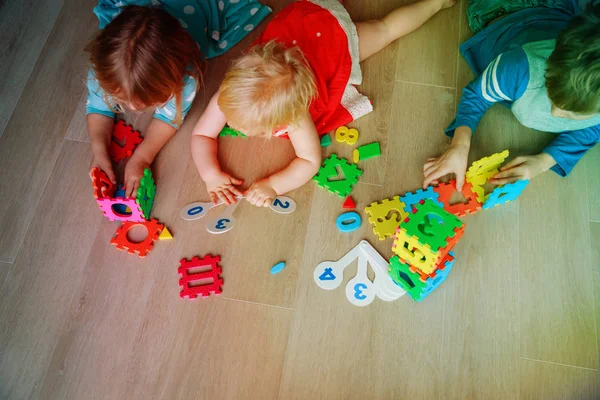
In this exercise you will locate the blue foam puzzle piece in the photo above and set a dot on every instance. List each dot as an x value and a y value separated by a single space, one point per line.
355 219
504 194
412 198
120 208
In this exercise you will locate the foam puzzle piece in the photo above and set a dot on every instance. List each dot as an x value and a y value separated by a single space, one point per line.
146 193
448 258
386 216
142 248
505 193
412 198
106 205
483 169
165 234
417 288
425 237
431 224
127 135
187 277
102 185
348 222
121 208
329 178
326 141
343 134
349 203
368 151
228 131
479 192
445 190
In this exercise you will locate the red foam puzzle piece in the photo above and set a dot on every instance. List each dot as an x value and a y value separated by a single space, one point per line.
126 134
103 187
142 248
349 203
445 190
192 292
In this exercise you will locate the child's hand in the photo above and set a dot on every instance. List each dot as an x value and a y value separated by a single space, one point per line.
134 170
102 161
261 194
524 167
222 187
454 160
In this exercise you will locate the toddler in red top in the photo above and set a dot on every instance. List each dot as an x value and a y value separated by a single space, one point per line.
297 81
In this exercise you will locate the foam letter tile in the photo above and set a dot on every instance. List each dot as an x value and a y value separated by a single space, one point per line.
130 138
103 187
146 193
481 170
385 216
192 292
142 248
504 194
339 182
445 190
411 198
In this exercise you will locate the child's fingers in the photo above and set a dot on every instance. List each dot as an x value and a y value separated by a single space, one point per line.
222 197
213 198
235 191
513 163
111 175
460 181
236 181
229 196
433 175
504 181
428 167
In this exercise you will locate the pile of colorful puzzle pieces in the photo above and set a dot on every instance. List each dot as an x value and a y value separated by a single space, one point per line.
424 224
132 212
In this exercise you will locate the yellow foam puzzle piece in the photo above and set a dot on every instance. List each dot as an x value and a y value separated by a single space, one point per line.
412 252
165 234
483 169
385 216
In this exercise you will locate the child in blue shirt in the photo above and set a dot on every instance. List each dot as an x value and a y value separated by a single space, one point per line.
544 64
149 56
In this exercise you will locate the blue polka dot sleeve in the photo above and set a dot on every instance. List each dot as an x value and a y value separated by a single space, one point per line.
215 25
168 112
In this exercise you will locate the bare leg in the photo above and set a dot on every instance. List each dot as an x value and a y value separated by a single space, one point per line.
376 34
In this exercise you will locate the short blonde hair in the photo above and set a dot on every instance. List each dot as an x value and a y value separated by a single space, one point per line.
268 87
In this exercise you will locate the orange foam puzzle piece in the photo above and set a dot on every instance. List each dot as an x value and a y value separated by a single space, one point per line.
103 187
445 190
142 248
125 134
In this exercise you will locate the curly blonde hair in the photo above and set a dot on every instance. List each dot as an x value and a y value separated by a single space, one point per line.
267 88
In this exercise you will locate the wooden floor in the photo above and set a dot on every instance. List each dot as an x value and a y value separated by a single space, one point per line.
518 317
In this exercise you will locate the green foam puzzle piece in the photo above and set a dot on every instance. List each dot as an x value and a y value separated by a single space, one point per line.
146 193
227 131
325 141
431 224
407 280
329 177
369 151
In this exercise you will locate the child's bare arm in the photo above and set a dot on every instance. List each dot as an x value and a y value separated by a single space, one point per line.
306 143
100 129
157 135
219 184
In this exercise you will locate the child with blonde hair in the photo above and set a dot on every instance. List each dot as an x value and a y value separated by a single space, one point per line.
297 82
149 56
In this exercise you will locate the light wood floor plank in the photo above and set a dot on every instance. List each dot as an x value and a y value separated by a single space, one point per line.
428 55
47 274
550 381
24 29
337 350
591 162
30 144
557 303
594 240
77 129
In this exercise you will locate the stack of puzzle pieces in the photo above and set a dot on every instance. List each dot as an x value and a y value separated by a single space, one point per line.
117 207
425 225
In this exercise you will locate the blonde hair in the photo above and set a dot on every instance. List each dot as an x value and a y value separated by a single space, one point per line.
268 87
